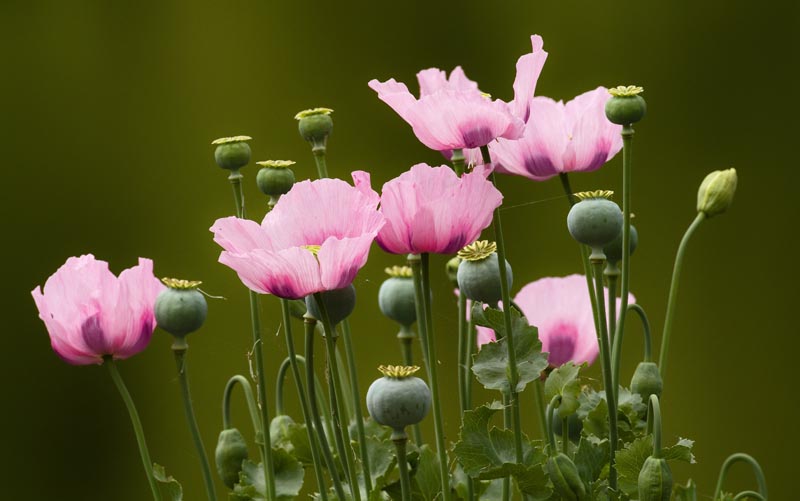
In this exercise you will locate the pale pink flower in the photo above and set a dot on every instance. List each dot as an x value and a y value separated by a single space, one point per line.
558 138
562 312
450 113
315 239
431 209
90 313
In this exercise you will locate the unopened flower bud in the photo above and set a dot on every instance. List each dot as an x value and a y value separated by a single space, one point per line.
275 178
231 452
625 106
716 192
398 399
574 425
339 304
396 296
451 268
180 308
655 480
564 474
647 381
315 125
479 272
595 221
232 153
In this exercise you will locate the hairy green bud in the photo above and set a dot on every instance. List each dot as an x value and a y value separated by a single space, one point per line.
716 192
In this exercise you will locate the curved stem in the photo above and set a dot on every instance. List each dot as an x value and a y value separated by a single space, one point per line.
749 495
616 349
137 425
744 458
538 390
302 396
337 405
513 371
673 294
359 417
406 337
251 405
310 329
627 160
179 349
422 296
551 437
402 465
648 343
279 380
654 424
608 382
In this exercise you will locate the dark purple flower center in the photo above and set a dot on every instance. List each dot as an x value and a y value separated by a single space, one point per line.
93 335
562 344
478 137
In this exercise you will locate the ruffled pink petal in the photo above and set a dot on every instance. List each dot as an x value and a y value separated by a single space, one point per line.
594 140
291 273
363 183
431 80
136 321
239 235
395 94
529 67
340 259
458 81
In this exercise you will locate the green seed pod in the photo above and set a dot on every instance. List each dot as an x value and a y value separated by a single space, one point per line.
396 296
180 308
275 177
646 381
232 153
339 304
716 192
231 452
315 125
574 425
566 481
451 268
625 106
613 250
595 220
398 399
655 480
479 272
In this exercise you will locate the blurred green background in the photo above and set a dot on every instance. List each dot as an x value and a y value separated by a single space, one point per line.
108 109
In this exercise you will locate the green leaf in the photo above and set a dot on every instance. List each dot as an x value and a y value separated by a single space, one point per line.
686 492
427 482
488 454
382 458
491 362
564 381
632 457
291 437
590 458
169 484
288 477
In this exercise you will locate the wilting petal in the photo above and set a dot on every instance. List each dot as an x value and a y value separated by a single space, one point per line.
529 67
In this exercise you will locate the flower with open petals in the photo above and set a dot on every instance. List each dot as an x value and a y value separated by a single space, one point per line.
450 113
315 239
431 209
561 310
572 137
90 313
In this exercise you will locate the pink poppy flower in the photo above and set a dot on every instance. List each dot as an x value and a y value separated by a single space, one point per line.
315 239
90 313
450 113
431 209
560 308
572 137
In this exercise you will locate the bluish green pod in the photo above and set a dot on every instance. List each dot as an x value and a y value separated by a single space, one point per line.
595 221
231 451
655 480
613 250
625 106
396 300
339 304
479 280
398 399
647 381
180 309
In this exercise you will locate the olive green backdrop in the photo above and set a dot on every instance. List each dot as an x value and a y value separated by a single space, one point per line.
108 109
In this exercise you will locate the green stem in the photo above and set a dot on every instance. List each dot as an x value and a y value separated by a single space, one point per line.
344 384
513 371
648 343
749 495
565 435
627 159
744 458
673 293
463 342
538 391
319 159
608 382
654 424
612 302
279 380
359 417
587 269
337 405
419 268
252 407
551 436
457 159
179 349
235 179
310 329
400 440
472 345
406 337
137 425
616 349
302 396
